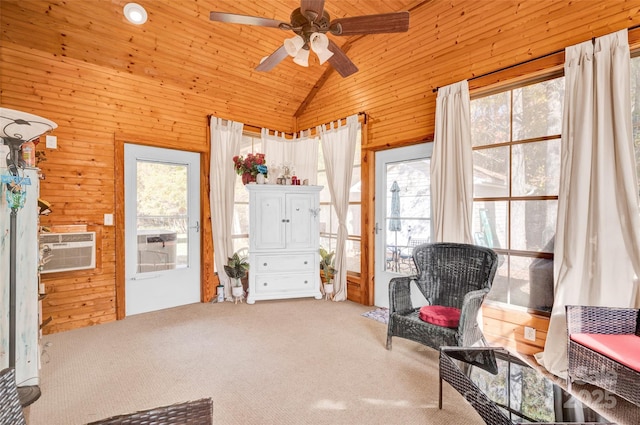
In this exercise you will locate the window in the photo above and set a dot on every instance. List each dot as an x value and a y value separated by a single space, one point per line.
516 160
328 218
240 233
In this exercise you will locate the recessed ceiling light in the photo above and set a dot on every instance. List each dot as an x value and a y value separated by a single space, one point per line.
135 13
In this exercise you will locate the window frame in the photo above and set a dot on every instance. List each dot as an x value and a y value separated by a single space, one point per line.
509 199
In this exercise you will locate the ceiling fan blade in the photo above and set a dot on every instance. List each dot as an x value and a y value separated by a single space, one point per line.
273 59
315 7
232 18
340 61
371 24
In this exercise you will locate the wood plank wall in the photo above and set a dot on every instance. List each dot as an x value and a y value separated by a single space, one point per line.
95 106
451 41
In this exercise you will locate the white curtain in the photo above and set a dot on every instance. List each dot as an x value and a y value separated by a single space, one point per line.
452 166
597 249
338 147
299 153
225 140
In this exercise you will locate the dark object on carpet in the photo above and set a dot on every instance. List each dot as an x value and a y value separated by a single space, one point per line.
380 314
451 275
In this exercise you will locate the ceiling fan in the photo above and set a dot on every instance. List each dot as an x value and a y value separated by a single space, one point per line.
310 22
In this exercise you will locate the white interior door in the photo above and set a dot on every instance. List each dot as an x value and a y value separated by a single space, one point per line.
162 213
403 214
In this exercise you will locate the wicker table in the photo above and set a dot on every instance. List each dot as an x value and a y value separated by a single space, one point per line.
504 390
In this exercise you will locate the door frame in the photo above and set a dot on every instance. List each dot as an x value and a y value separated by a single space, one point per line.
208 281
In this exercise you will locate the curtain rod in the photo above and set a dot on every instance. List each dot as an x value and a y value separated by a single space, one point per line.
593 40
364 114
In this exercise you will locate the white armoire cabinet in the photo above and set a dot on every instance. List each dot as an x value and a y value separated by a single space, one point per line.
283 242
27 353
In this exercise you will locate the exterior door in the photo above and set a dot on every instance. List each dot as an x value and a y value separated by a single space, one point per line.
403 214
162 213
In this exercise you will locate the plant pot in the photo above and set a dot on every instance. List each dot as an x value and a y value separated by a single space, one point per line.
248 178
261 179
328 290
237 291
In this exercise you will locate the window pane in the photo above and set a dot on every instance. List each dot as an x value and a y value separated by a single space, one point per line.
355 193
490 117
490 221
540 283
353 220
358 153
161 216
500 288
325 195
533 225
353 256
240 219
537 109
490 172
536 168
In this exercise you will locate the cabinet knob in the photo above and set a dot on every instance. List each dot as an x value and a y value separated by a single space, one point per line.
306 281
265 264
264 284
306 262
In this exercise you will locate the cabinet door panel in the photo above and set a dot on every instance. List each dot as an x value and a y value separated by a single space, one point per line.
269 230
301 230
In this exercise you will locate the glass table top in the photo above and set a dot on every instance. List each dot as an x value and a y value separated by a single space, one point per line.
523 394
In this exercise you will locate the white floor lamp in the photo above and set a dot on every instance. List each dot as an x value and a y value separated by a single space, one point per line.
17 128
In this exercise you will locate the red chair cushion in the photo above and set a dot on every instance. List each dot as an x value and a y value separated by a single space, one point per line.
449 317
623 348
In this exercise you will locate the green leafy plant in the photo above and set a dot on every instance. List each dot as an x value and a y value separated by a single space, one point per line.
236 267
327 265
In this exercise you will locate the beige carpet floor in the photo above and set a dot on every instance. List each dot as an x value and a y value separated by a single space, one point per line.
300 361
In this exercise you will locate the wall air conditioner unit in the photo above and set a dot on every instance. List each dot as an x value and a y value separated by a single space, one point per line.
63 252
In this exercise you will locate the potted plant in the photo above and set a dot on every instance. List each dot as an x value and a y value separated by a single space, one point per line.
236 268
328 270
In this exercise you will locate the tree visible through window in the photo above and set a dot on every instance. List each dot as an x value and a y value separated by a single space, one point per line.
516 160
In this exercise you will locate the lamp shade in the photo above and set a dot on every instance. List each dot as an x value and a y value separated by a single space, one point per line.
293 45
22 126
302 58
320 45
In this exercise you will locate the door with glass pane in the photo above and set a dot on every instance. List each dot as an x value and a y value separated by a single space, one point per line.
403 213
162 213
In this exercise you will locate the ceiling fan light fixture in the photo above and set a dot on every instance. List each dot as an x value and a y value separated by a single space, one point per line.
320 46
135 13
293 45
302 58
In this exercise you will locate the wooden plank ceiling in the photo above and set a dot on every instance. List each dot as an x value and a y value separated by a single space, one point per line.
180 47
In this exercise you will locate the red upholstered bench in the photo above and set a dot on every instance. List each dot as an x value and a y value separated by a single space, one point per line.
624 348
604 349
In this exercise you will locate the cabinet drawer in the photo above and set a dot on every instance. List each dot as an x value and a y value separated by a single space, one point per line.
287 283
286 263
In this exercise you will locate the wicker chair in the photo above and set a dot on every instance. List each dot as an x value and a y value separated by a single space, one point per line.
587 365
199 412
451 275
